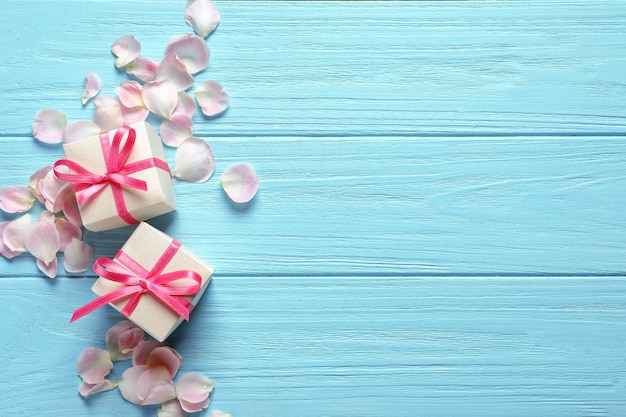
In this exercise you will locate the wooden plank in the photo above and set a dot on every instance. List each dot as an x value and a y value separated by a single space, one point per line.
390 205
360 346
338 69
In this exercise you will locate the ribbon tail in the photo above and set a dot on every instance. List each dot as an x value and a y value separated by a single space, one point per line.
102 301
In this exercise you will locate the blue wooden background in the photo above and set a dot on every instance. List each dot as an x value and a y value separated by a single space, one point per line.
440 228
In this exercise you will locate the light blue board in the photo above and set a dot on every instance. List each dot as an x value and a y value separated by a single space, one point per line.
440 228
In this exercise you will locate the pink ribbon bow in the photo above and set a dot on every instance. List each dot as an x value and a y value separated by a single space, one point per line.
139 281
87 184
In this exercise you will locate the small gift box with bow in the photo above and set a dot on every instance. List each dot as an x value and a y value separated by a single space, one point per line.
153 281
119 177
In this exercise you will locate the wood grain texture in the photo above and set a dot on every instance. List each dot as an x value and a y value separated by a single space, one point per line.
341 68
439 229
358 346
396 206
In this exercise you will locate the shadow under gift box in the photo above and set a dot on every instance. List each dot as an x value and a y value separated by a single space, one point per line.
101 212
146 246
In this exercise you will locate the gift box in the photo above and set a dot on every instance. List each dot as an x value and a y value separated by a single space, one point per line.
119 177
153 280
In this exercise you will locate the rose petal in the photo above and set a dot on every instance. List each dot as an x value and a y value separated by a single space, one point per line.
160 97
194 161
4 250
34 180
129 93
176 130
67 231
191 49
193 407
43 242
193 389
143 350
240 182
212 98
142 68
165 356
54 191
48 126
108 113
15 231
132 115
126 49
70 209
78 256
155 386
202 16
93 365
50 269
175 71
80 129
143 385
171 408
16 199
92 87
129 384
86 390
186 104
122 339
218 413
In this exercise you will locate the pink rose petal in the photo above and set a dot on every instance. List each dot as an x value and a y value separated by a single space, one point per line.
15 231
212 98
50 269
186 104
240 182
122 339
175 71
155 386
171 408
93 365
191 49
49 125
80 129
43 242
165 356
126 49
143 350
67 231
176 130
78 256
70 209
16 199
86 390
129 93
144 385
54 191
202 16
129 384
193 390
34 180
132 115
160 97
92 87
218 413
108 113
4 250
194 161
142 68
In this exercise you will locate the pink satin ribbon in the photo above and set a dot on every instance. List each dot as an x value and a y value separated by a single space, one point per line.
137 281
88 184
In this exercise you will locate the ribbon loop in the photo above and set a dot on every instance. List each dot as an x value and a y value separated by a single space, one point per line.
88 184
138 281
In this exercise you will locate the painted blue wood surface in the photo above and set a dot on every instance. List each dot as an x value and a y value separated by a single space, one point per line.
440 227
